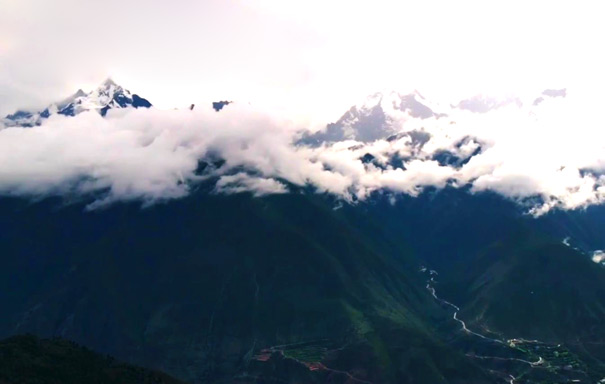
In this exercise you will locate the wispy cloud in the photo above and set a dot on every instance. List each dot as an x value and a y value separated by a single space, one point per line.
243 182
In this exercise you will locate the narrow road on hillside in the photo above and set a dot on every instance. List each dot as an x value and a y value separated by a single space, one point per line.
558 362
455 316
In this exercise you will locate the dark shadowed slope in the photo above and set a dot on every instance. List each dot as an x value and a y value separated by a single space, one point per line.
300 287
221 288
30 360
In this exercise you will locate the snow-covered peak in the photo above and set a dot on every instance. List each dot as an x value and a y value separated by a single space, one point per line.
108 83
106 96
414 104
379 116
70 99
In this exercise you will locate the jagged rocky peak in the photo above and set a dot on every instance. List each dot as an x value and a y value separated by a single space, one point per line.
108 95
412 104
379 116
218 105
79 93
108 83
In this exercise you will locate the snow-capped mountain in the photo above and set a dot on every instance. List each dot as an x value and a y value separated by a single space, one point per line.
108 95
391 114
379 116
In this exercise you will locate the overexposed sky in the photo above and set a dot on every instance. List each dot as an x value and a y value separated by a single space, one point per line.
311 59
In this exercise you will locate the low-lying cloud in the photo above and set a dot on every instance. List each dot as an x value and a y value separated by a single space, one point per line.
551 154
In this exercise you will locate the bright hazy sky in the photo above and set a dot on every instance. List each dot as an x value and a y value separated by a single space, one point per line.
310 58
297 64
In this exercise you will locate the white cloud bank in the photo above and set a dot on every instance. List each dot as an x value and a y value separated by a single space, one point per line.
554 151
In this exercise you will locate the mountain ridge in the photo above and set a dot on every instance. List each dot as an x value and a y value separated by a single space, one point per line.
108 95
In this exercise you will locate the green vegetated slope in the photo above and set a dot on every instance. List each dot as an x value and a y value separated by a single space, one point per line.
198 287
535 289
509 272
30 360
286 288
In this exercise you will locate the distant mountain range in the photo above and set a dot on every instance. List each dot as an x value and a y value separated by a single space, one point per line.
383 115
379 116
108 95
